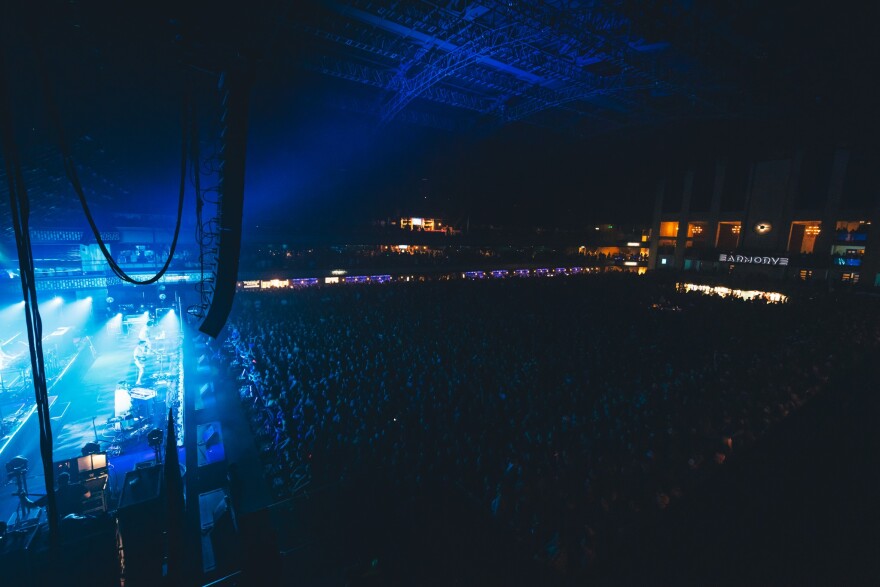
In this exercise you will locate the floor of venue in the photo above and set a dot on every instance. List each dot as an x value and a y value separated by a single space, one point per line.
607 429
90 406
574 430
112 392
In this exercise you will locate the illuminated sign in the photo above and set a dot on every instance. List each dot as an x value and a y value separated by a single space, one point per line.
630 263
417 221
754 260
338 272
633 244
251 284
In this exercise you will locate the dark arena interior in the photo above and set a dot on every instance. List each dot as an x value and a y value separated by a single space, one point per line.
439 293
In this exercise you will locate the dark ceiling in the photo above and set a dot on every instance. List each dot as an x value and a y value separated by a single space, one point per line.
517 110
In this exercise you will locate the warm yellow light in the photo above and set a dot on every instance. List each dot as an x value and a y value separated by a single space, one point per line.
668 228
769 296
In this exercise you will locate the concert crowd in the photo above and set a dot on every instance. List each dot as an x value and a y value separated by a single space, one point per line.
570 408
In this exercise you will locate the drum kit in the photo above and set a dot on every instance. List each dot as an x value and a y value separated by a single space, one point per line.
137 411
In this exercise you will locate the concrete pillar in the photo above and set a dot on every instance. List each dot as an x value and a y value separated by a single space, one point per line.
789 205
831 214
715 206
871 259
655 225
683 217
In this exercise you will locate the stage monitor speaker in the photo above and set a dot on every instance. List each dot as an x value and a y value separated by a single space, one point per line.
141 517
238 83
210 436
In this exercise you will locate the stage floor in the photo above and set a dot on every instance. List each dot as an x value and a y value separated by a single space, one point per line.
84 411
217 433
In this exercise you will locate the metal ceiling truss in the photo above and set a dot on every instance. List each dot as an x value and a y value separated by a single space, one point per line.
368 75
408 116
578 21
506 59
490 43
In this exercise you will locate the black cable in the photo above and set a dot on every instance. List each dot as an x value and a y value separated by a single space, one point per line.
70 169
20 208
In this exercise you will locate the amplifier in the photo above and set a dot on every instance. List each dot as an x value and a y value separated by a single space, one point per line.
97 501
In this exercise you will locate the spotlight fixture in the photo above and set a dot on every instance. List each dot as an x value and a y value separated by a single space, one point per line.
110 299
162 296
763 227
155 438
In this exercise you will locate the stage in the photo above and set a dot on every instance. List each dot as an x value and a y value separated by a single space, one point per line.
97 398
114 393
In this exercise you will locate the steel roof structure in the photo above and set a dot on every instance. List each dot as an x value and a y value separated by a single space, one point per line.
578 69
